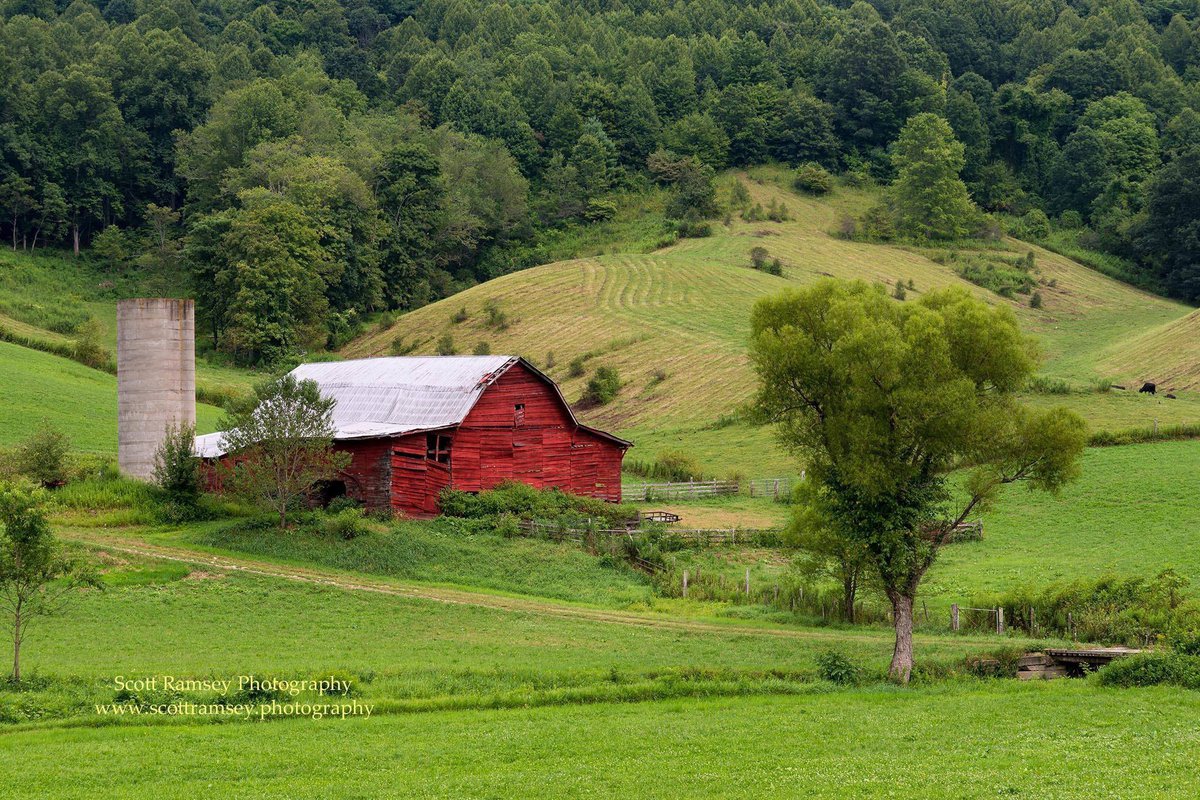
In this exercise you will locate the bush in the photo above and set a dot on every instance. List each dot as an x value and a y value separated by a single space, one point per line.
89 347
576 368
1071 220
176 468
1034 225
602 388
668 465
445 345
520 501
482 349
346 524
694 229
813 178
1035 300
400 347
1152 669
1133 611
460 316
837 667
759 256
496 318
43 457
899 291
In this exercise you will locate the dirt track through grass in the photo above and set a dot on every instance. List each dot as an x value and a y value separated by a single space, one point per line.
439 594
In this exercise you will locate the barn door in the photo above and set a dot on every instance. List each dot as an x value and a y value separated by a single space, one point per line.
495 458
408 482
527 457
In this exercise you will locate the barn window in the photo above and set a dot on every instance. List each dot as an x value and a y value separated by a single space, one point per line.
519 414
437 447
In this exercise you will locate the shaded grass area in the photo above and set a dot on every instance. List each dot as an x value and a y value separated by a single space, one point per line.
1057 740
80 401
445 551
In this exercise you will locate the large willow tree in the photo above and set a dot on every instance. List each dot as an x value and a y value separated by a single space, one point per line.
906 418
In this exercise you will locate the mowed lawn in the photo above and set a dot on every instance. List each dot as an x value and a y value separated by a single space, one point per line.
1055 740
37 387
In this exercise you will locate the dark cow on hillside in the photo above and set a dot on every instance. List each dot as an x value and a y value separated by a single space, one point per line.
1147 388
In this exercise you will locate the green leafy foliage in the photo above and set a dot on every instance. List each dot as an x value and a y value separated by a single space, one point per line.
281 445
602 387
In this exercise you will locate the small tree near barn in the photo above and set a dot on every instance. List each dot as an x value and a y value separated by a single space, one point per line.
36 578
885 401
281 445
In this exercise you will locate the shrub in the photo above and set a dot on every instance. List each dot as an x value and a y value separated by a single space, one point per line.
694 229
89 347
602 388
668 465
837 667
482 349
1133 611
550 360
813 178
899 292
1034 225
775 267
496 318
400 347
1152 669
759 256
176 468
445 345
1071 220
523 502
576 368
460 316
43 456
599 209
1035 300
346 524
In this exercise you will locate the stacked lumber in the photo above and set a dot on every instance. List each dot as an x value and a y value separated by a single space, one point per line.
1039 667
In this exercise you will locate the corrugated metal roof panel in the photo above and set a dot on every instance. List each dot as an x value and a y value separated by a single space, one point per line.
393 396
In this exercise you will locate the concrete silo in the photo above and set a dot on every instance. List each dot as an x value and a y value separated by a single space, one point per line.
156 377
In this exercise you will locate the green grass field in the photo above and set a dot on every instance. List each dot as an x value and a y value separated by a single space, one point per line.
1052 740
80 401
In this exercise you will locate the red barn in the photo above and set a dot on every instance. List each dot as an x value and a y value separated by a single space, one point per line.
416 425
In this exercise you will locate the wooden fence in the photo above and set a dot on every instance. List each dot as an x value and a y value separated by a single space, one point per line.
702 536
690 490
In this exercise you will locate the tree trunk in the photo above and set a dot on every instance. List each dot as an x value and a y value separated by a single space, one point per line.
902 655
849 590
16 672
75 237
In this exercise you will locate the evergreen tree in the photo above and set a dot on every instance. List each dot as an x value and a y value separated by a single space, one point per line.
929 199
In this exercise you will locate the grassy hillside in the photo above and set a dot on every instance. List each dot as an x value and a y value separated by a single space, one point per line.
80 401
1168 355
675 323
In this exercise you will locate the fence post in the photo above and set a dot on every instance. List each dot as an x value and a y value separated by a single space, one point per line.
747 581
685 577
954 616
1000 619
1071 625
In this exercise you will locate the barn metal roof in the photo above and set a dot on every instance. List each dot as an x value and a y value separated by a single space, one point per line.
377 397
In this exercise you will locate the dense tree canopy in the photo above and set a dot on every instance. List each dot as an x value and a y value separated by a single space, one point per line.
506 119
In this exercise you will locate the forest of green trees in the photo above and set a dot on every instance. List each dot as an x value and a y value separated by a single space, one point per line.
302 162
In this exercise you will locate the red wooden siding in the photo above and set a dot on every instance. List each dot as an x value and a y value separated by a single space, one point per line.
519 430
